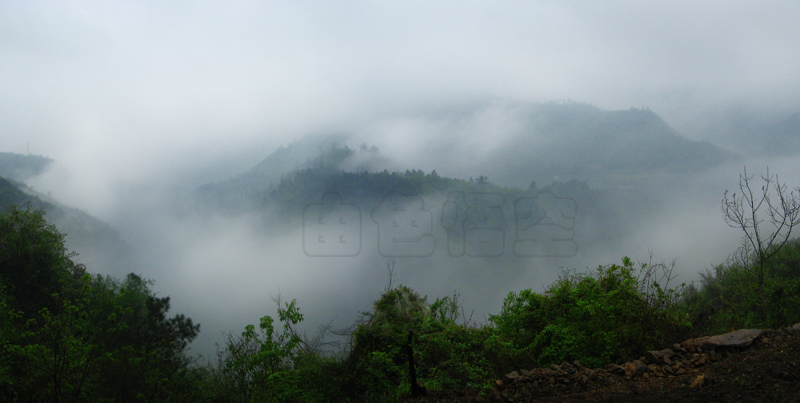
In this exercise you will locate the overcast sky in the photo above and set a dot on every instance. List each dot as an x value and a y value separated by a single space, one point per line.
128 88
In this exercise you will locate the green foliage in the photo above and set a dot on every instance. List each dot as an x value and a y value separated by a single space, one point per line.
453 357
728 296
11 195
378 359
147 348
445 310
783 285
274 365
68 336
447 355
303 187
616 313
105 341
33 259
522 317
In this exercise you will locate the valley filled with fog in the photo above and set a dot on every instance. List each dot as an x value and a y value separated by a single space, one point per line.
223 249
195 146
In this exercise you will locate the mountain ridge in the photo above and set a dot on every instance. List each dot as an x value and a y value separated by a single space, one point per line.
556 142
21 167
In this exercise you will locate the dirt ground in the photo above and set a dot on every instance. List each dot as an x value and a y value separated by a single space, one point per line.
766 371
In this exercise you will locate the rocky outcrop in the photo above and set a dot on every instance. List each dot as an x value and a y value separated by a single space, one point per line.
737 339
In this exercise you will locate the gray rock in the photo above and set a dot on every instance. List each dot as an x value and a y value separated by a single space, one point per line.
737 339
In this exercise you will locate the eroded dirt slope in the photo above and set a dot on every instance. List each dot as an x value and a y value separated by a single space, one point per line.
755 366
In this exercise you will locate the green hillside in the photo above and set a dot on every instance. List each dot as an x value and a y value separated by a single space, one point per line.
11 194
93 238
248 190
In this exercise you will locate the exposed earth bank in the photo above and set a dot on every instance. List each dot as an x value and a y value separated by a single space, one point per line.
747 365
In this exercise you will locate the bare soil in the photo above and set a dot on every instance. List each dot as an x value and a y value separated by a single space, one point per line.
766 371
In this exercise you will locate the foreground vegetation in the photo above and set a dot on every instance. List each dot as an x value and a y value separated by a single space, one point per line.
68 335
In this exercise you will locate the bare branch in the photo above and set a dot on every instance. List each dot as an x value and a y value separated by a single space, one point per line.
390 269
760 243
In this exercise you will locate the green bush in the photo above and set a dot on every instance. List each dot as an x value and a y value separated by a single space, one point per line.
616 313
447 355
66 335
728 296
454 357
272 364
379 359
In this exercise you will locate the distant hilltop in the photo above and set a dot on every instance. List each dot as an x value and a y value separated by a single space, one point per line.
21 167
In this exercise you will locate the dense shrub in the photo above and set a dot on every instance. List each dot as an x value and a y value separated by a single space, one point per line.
272 364
615 313
66 335
447 355
728 295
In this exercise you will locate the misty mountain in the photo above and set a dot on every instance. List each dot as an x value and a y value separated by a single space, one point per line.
783 137
96 242
756 133
12 194
608 149
21 167
327 155
284 204
607 161
551 142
